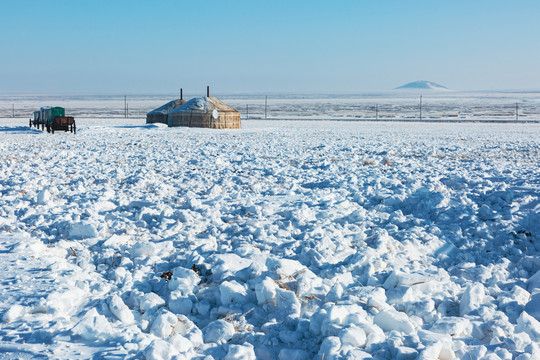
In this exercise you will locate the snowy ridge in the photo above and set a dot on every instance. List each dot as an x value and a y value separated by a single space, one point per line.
283 240
421 85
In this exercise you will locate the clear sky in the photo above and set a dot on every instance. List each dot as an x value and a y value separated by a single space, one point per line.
115 46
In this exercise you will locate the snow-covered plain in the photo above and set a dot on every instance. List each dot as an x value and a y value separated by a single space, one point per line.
283 240
389 105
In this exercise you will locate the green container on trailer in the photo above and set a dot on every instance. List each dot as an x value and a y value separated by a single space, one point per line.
56 111
49 113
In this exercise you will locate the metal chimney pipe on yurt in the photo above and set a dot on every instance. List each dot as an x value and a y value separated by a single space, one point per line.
181 95
208 91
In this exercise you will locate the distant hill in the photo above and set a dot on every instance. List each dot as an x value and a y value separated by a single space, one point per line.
421 85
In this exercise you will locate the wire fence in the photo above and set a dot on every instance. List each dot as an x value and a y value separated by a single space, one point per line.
500 107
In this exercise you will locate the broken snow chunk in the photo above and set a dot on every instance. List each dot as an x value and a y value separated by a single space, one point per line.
284 267
163 324
341 314
266 291
335 293
181 343
534 282
13 313
309 284
520 295
219 331
352 336
116 241
79 231
119 309
232 292
150 302
472 299
243 352
329 348
160 350
390 319
65 303
529 325
43 197
374 334
226 264
143 249
288 302
180 304
189 330
427 337
104 206
406 353
533 306
454 326
184 280
292 354
139 204
118 274
93 327
357 354
475 352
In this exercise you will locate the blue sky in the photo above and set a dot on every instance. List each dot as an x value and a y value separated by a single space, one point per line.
149 47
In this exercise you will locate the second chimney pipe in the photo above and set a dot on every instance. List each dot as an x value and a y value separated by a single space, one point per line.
181 95
208 91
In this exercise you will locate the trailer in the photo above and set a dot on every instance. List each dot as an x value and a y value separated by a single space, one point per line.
66 123
53 118
36 122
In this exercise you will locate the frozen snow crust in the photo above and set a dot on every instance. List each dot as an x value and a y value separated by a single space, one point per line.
284 240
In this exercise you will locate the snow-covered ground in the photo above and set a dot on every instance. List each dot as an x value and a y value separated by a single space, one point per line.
283 240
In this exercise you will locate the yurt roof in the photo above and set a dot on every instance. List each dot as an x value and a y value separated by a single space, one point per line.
168 107
203 105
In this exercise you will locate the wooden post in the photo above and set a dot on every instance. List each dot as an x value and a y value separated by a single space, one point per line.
125 107
517 114
420 107
247 111
265 107
377 112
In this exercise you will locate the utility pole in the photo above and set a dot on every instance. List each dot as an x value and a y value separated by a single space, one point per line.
127 110
13 110
125 106
377 112
517 114
247 111
266 107
420 107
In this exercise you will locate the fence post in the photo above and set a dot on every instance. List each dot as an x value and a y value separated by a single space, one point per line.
420 107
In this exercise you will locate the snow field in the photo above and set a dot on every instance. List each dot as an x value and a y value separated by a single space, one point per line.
283 240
